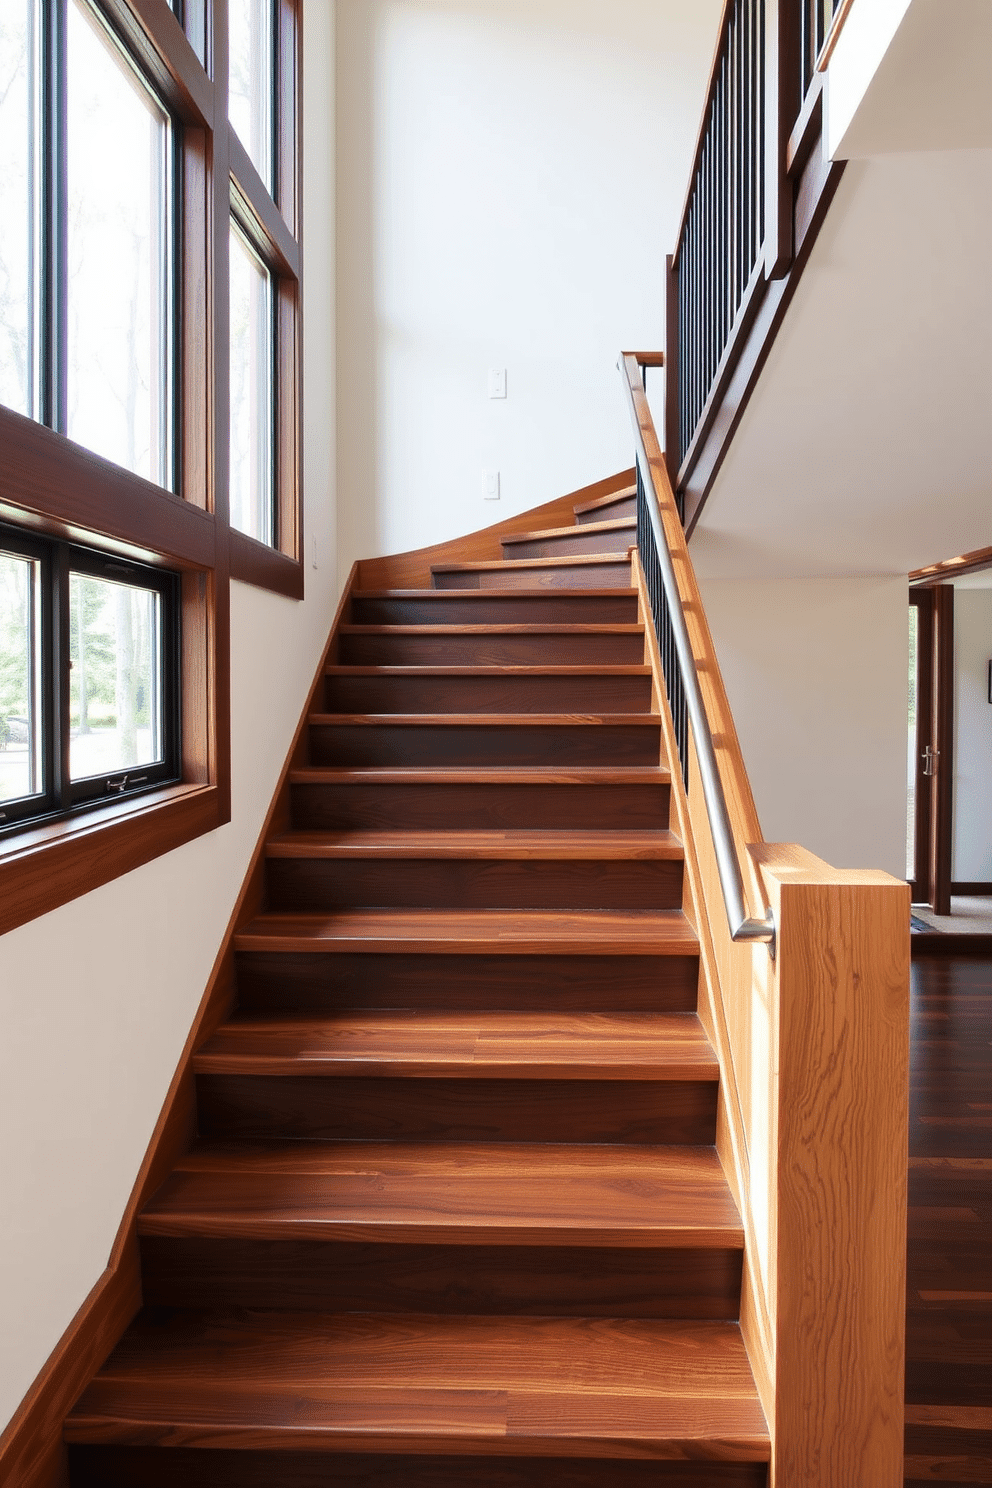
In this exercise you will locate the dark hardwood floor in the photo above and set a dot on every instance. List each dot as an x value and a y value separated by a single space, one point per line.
949 1302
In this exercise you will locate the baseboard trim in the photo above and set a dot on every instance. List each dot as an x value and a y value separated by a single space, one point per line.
977 890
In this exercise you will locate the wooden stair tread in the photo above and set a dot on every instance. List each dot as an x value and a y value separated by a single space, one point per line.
457 1044
623 495
570 561
450 1194
487 720
437 843
354 1382
537 775
662 932
417 671
613 524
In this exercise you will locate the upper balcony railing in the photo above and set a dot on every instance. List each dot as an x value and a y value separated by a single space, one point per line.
747 215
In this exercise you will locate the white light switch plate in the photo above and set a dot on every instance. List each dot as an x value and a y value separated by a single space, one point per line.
497 382
490 485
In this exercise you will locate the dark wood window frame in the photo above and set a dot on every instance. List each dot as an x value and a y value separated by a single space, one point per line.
51 486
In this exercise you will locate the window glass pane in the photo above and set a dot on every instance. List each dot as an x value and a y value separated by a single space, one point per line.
16 41
19 715
116 679
252 486
119 267
252 80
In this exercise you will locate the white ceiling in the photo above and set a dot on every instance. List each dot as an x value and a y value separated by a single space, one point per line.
865 448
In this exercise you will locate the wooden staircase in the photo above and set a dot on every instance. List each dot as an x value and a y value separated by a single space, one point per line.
454 1214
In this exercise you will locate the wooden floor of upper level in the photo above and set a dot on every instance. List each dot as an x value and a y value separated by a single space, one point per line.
949 1303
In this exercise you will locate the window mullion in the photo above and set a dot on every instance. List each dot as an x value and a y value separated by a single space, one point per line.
60 653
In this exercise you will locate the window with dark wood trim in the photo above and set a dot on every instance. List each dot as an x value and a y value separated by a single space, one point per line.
165 514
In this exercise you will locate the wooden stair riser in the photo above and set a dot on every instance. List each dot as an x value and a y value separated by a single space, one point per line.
581 648
150 1467
612 572
590 693
433 608
614 508
262 1108
521 883
485 1280
489 743
482 806
271 983
588 539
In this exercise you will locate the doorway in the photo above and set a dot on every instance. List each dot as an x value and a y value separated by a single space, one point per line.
930 752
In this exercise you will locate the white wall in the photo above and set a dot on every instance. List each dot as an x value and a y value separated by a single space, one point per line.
510 178
815 671
97 998
972 856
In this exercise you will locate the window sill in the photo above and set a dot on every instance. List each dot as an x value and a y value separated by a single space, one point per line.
44 867
266 568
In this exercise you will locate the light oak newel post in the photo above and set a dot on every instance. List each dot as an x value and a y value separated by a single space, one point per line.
839 1008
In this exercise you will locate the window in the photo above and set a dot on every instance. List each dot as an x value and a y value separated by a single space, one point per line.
128 318
252 344
88 704
87 299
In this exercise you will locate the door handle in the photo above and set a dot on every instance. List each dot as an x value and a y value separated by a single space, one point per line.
930 756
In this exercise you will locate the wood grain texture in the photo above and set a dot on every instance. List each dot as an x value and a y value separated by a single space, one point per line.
509 607
492 645
523 1045
450 1194
842 979
407 570
580 571
538 1386
479 932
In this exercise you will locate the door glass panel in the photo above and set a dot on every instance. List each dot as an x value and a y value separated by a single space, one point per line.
115 697
119 264
912 750
252 75
16 351
20 762
252 484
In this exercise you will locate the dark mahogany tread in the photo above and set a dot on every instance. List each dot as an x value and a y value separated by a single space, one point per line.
524 604
467 1045
541 844
663 932
608 524
494 627
602 1387
454 1193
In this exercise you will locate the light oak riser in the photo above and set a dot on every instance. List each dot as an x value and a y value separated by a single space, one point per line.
313 884
270 983
150 1467
492 1280
484 744
452 649
497 609
540 694
481 807
261 1108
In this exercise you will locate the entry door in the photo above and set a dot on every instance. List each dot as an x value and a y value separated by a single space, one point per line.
930 771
